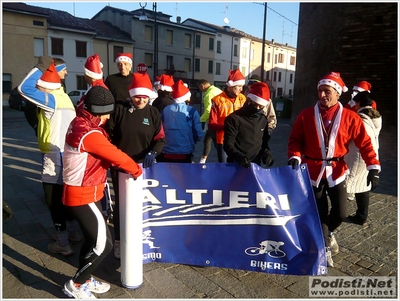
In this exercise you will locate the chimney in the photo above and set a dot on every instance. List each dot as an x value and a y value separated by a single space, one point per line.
178 19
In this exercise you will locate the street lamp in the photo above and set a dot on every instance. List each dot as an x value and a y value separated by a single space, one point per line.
263 42
143 17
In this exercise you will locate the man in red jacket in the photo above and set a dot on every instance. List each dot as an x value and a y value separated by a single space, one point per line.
320 137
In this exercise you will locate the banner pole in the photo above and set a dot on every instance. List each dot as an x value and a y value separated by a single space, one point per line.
131 204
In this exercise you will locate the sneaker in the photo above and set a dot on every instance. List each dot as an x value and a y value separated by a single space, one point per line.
117 249
80 292
202 161
74 237
98 287
54 247
329 260
332 244
355 219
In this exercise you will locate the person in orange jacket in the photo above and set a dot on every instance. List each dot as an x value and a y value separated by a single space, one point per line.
320 138
88 154
224 104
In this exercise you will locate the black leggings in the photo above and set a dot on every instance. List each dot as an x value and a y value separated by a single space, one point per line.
97 239
60 214
209 137
331 219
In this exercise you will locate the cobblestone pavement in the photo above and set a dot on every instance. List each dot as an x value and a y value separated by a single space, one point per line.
30 271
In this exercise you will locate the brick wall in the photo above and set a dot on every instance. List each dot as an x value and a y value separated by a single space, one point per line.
359 40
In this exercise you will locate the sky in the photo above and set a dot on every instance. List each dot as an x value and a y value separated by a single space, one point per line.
247 16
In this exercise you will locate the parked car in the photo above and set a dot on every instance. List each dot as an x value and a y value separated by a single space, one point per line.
16 101
76 95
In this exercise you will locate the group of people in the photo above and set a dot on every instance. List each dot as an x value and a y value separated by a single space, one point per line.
127 120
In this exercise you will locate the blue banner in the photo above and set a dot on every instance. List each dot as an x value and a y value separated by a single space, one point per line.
224 215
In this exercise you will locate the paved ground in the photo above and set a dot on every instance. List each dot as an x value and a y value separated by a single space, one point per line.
29 271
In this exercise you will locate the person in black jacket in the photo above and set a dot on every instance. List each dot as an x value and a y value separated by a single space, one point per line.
246 130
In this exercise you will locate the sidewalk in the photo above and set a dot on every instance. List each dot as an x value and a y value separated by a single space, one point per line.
30 271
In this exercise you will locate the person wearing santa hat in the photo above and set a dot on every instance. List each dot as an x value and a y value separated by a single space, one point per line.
119 83
88 154
355 182
137 130
246 130
223 104
359 87
320 138
42 87
156 87
182 127
164 92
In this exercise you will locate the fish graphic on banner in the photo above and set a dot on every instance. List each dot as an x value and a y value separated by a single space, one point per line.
224 215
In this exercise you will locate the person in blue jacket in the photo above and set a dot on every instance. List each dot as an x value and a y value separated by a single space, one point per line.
182 127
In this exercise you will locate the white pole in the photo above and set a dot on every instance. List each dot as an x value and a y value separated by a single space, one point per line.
130 207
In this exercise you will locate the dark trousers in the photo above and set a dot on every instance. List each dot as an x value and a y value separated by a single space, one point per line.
60 214
331 219
222 156
97 239
362 200
209 137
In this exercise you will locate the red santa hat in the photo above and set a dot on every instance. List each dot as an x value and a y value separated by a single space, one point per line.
124 57
235 78
166 82
50 78
259 93
362 86
141 85
93 67
157 81
334 80
180 92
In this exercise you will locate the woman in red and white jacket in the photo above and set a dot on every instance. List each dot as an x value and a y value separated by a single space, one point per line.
88 154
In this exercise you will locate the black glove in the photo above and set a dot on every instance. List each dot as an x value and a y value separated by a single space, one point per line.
149 159
373 178
293 162
43 63
267 158
244 161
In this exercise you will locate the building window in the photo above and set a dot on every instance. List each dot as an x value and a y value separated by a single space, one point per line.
38 47
148 59
292 60
269 57
280 92
198 41
148 33
80 49
170 62
117 49
274 76
197 65
267 75
188 65
219 46
218 68
281 58
211 44
57 46
290 91
81 82
210 66
276 59
234 67
38 23
7 85
291 78
252 54
188 40
169 37
235 50
279 76
244 52
243 70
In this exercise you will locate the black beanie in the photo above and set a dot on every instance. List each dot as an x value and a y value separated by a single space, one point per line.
99 101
